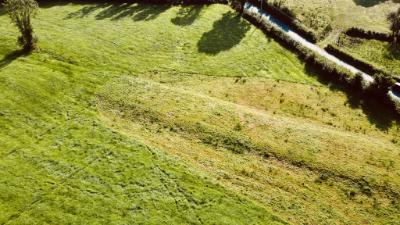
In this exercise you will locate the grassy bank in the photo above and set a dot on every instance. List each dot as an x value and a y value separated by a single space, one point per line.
189 115
272 155
330 19
60 164
342 14
378 53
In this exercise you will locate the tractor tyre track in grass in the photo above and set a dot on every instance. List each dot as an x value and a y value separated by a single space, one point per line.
39 197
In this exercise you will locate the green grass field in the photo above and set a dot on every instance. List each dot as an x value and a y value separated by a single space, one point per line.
343 14
330 18
145 114
380 54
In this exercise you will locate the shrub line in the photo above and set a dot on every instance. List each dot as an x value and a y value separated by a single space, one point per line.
368 34
284 14
331 70
361 64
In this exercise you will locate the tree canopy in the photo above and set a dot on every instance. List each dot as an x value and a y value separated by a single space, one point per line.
20 12
394 19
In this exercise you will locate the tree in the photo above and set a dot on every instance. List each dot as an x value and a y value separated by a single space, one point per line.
237 5
21 12
381 85
394 19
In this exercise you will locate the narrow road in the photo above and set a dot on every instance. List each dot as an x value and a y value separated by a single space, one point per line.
264 16
395 97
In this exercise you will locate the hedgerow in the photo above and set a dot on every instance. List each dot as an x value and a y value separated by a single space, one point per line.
360 64
287 16
367 34
328 69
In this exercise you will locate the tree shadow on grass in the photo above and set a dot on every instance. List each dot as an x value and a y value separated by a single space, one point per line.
378 112
2 10
128 12
187 15
149 12
120 10
52 3
85 11
112 10
10 57
226 33
393 53
370 3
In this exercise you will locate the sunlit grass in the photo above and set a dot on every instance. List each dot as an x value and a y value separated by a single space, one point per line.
343 14
380 54
67 159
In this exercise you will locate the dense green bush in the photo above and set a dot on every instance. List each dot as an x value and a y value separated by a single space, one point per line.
367 34
381 85
394 19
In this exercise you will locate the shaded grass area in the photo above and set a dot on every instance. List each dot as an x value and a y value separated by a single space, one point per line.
67 165
371 3
180 53
378 113
226 33
187 15
9 58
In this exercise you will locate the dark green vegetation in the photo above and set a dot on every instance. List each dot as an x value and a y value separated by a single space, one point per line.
21 13
394 20
182 115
